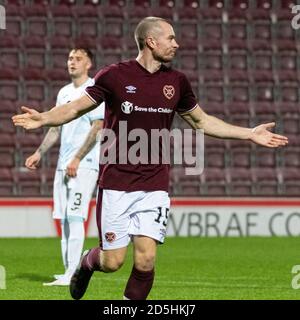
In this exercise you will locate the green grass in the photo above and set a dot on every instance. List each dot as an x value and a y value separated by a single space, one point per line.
187 268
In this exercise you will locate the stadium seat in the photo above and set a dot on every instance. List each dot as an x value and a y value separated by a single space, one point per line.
7 184
291 119
290 181
35 58
112 21
62 20
7 107
7 150
237 31
265 157
283 29
215 155
213 93
27 144
28 182
187 185
211 60
239 93
10 89
288 92
290 154
214 182
260 24
36 22
14 26
47 177
57 58
265 181
214 5
6 125
264 92
266 112
10 58
88 21
239 181
188 60
60 42
240 113
286 61
262 60
240 154
35 87
264 4
57 74
212 31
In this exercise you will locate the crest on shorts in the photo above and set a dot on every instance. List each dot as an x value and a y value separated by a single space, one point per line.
110 236
169 91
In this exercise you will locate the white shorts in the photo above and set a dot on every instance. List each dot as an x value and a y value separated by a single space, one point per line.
120 215
72 195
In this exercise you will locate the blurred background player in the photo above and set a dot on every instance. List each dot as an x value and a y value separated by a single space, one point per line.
77 168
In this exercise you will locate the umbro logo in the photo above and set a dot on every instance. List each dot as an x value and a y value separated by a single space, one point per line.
130 89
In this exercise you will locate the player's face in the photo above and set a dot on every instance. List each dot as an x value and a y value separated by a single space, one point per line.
165 45
78 63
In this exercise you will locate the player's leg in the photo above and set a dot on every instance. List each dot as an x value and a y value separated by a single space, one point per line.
113 225
142 275
59 212
148 228
64 225
80 191
75 243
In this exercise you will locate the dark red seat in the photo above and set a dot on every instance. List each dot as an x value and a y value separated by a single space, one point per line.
239 181
7 183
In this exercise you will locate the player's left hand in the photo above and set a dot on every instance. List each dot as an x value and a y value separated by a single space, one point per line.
73 167
264 137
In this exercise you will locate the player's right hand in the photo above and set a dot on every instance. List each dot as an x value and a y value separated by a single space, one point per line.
32 161
30 119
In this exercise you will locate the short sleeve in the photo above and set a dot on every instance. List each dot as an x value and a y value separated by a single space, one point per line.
187 101
97 113
58 98
100 91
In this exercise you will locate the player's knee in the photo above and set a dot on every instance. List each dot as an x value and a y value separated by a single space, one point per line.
112 264
145 261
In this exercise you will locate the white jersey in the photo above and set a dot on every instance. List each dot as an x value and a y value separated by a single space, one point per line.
74 133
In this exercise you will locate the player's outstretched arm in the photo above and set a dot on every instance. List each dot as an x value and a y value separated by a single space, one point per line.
31 119
215 127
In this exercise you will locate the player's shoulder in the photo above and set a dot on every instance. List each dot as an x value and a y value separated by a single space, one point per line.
109 72
65 89
121 65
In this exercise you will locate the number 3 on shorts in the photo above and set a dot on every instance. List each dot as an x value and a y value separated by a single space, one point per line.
162 216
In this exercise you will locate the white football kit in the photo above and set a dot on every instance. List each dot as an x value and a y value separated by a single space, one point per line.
72 195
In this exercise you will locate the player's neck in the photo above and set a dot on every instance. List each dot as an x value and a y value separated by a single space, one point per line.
148 62
77 82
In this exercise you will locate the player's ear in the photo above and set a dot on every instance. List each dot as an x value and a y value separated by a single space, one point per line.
150 41
89 64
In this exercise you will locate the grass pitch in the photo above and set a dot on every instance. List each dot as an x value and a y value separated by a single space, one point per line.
187 268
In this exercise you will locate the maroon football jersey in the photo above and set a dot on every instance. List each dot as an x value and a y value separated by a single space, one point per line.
141 100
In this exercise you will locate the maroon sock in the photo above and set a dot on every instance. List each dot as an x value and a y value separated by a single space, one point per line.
92 260
139 284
